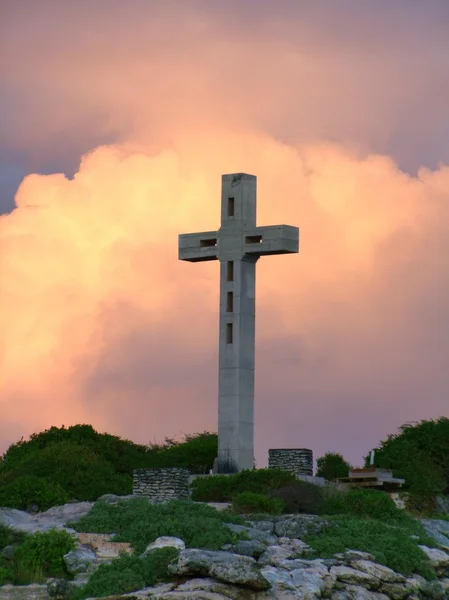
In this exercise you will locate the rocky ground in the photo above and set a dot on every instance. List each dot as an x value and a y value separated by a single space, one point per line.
273 563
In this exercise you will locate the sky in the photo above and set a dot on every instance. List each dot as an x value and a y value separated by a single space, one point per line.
117 120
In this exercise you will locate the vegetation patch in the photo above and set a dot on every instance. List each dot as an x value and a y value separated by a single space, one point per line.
392 546
224 488
250 502
332 466
139 522
80 464
34 557
128 573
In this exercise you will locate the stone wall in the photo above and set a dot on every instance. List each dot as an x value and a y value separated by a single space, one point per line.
296 460
34 591
161 485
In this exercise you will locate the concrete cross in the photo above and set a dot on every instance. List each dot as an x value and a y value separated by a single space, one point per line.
238 244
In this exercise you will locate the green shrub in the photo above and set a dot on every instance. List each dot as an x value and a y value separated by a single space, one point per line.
301 497
127 573
419 455
29 490
10 536
392 546
41 556
223 488
249 502
332 466
139 522
78 470
366 503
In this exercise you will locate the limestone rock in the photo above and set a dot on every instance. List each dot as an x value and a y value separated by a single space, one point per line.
438 530
165 542
355 577
349 555
253 534
253 548
356 592
59 589
380 571
224 566
265 525
395 591
79 560
55 517
437 558
113 499
299 526
275 555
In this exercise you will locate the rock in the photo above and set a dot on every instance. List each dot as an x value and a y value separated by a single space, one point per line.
164 542
103 545
355 592
437 558
253 534
266 526
299 526
224 566
8 552
275 555
56 517
416 583
438 530
355 577
350 555
297 546
252 548
113 499
199 586
309 582
395 591
79 560
433 589
59 589
380 571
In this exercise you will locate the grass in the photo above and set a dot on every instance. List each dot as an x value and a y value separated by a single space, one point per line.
127 573
139 522
391 544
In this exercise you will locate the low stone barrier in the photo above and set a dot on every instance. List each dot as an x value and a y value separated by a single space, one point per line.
161 485
295 460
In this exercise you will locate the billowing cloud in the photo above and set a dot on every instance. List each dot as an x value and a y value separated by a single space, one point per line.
101 323
334 111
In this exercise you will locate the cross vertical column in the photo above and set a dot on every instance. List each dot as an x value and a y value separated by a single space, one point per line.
237 326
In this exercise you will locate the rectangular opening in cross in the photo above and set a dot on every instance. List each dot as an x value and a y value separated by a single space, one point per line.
230 271
253 239
229 302
209 243
229 333
231 206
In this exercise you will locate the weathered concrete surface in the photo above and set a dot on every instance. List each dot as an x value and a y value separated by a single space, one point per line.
238 244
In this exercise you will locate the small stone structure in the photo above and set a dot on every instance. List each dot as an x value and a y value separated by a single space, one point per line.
161 485
295 460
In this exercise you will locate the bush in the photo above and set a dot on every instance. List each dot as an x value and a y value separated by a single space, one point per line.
9 536
78 470
301 497
87 464
41 556
392 546
366 503
419 455
139 522
332 466
249 502
29 490
127 573
223 488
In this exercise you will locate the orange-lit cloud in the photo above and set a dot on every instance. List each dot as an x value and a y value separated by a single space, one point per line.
99 321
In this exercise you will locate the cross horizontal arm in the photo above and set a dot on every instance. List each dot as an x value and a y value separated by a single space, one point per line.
273 239
197 247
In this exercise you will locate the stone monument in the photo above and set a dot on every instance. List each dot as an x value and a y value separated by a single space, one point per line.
238 244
